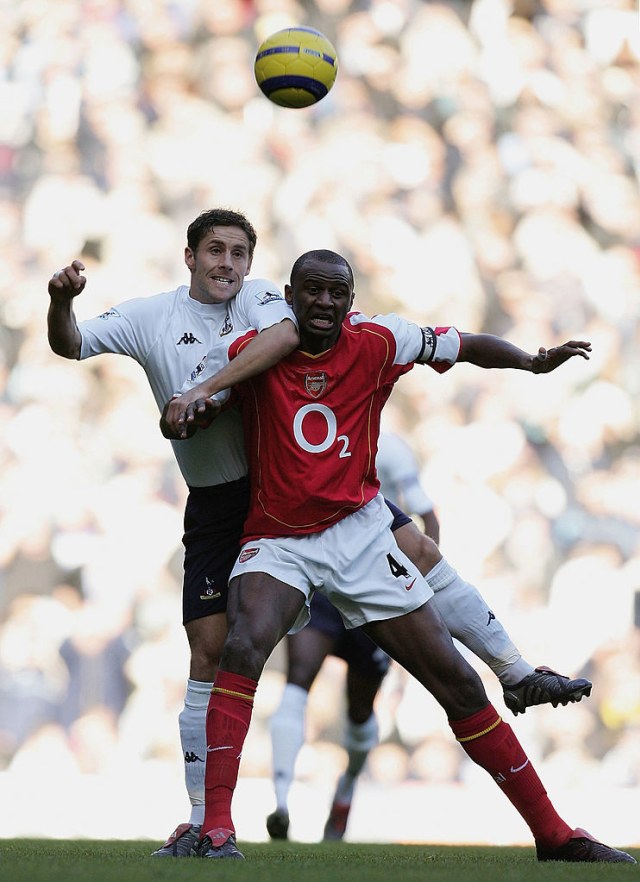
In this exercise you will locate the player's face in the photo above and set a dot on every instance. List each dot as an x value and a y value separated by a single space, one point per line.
219 264
321 295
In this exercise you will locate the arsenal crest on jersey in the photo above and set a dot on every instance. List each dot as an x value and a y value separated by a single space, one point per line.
315 384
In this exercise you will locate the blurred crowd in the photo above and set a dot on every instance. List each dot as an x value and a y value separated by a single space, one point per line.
478 163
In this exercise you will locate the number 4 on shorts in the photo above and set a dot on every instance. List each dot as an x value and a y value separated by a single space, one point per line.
396 568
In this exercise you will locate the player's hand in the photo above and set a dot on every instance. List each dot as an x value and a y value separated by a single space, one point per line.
548 360
67 282
182 418
201 413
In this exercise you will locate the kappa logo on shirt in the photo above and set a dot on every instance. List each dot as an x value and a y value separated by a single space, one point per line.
227 326
316 384
110 313
268 297
247 554
188 337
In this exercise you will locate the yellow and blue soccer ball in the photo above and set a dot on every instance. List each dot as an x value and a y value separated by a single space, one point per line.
296 67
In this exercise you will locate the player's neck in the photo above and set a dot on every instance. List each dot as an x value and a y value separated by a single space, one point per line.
315 346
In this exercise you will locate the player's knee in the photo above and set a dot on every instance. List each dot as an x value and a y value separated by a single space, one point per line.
467 694
205 658
301 673
427 554
245 654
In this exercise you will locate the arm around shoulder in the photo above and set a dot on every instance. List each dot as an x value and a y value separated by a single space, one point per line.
261 352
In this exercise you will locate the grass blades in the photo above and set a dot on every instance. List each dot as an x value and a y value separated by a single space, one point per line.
28 860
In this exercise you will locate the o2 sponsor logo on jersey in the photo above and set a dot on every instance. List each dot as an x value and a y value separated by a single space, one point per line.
316 384
110 313
319 444
268 297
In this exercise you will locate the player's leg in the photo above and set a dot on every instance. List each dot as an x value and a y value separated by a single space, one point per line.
471 621
306 652
420 642
206 639
261 610
213 524
367 666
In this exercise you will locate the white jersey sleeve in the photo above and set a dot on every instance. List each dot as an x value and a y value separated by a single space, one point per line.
130 328
260 305
438 347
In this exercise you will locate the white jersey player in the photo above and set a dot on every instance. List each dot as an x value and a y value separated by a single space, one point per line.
176 336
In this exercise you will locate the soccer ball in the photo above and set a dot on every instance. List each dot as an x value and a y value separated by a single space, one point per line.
296 67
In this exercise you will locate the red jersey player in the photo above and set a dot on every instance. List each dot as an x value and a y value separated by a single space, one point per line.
317 522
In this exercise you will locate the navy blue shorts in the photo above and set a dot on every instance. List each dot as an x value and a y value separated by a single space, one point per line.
358 650
399 517
213 522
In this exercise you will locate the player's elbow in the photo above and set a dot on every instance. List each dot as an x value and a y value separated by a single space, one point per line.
65 349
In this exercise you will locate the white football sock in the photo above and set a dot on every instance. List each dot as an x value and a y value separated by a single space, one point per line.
470 621
287 737
360 738
193 737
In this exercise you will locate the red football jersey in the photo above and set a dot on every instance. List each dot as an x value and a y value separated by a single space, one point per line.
311 424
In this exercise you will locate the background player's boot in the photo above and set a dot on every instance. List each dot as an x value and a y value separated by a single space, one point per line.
181 843
582 847
278 824
544 686
337 821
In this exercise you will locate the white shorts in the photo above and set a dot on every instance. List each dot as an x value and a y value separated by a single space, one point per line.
356 564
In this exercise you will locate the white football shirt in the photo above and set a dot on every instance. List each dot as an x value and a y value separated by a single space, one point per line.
174 337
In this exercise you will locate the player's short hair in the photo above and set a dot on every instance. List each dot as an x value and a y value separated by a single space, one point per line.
219 217
323 255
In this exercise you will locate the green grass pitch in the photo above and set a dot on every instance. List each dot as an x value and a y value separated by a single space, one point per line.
28 860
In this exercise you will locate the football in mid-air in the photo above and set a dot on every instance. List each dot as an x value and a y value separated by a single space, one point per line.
296 67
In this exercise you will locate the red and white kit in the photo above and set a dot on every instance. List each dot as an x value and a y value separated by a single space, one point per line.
316 519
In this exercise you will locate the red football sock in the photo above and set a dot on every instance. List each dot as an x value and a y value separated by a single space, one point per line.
228 718
492 744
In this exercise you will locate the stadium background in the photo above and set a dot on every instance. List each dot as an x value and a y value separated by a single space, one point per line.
478 163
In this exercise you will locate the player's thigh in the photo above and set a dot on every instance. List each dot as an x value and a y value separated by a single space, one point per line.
213 522
260 611
306 651
421 550
421 643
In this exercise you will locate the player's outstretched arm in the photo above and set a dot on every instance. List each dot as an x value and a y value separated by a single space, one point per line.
262 352
62 328
489 351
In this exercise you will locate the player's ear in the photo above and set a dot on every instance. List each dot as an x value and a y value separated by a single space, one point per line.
288 295
189 258
353 297
249 262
